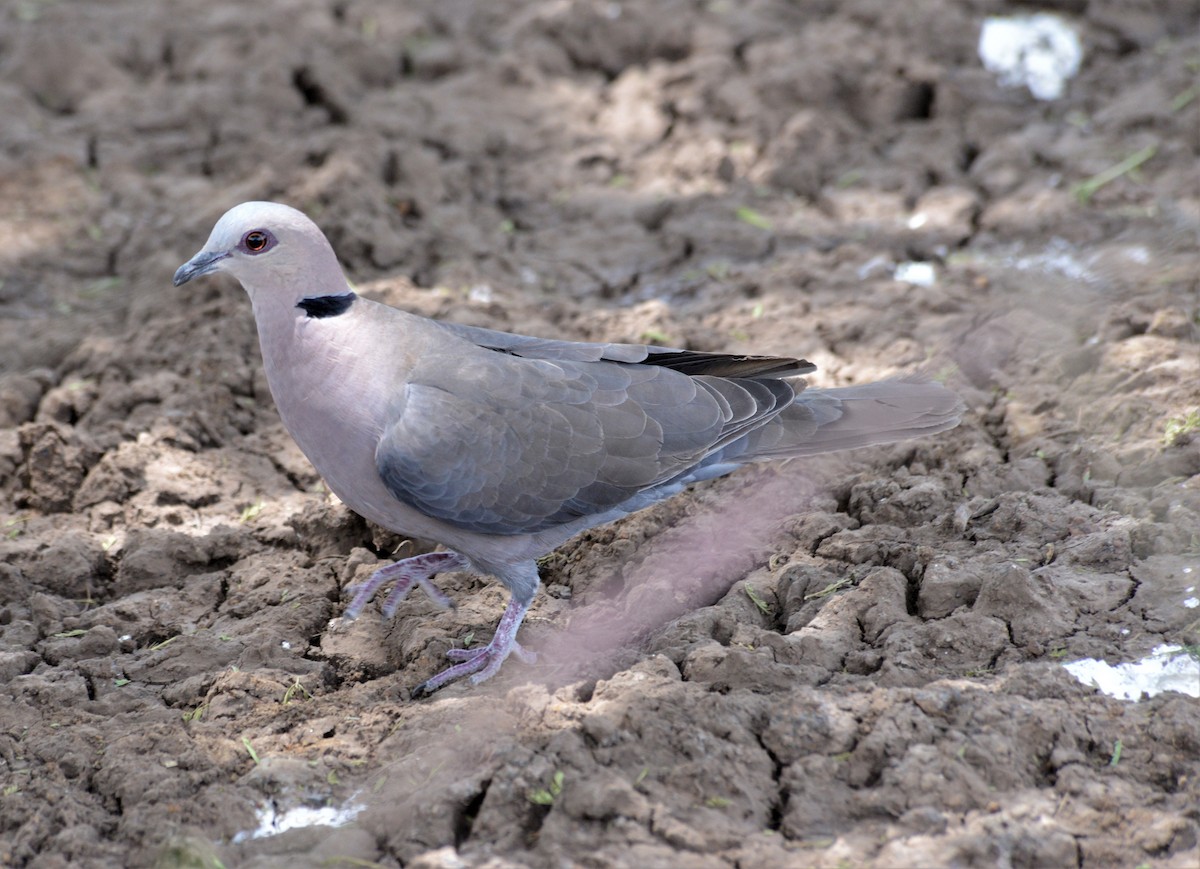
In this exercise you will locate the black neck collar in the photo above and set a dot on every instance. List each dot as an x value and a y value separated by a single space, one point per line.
320 307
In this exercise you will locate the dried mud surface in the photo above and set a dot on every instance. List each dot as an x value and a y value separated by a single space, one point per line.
851 661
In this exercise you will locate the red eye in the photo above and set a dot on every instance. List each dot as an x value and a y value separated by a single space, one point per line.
255 241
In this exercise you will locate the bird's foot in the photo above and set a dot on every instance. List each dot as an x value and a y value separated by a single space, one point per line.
481 664
522 653
418 570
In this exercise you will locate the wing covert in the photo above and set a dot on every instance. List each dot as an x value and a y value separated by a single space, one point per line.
501 444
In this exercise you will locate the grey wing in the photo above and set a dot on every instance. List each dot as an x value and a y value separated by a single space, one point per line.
686 361
499 444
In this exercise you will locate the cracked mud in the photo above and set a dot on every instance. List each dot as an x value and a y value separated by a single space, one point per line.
854 660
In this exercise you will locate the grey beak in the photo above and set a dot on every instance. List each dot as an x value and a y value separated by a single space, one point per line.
202 263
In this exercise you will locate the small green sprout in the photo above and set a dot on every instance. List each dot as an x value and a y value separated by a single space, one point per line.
195 714
1179 426
656 336
547 796
250 750
757 600
829 589
746 214
13 527
1085 190
1184 99
295 691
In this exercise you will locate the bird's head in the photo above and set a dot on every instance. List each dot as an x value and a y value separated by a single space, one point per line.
271 249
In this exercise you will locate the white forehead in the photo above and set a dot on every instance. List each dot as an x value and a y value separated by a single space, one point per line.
258 215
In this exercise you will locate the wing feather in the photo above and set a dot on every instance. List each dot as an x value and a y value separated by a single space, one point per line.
501 443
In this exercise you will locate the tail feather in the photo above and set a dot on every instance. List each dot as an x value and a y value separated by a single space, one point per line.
826 420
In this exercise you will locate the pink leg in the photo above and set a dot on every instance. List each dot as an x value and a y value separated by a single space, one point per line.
418 570
485 662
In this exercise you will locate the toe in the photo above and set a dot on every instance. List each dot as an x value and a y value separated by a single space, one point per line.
465 654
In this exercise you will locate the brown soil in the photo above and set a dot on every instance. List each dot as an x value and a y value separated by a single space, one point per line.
839 662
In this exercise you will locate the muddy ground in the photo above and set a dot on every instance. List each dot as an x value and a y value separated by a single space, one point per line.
854 661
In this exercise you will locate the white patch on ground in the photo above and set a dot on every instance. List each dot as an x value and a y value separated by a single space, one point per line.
917 274
1138 254
1041 52
1167 668
272 822
1058 257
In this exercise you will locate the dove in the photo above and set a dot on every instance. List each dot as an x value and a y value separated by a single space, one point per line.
501 447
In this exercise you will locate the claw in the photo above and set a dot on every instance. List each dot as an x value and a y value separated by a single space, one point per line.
482 664
522 654
418 570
